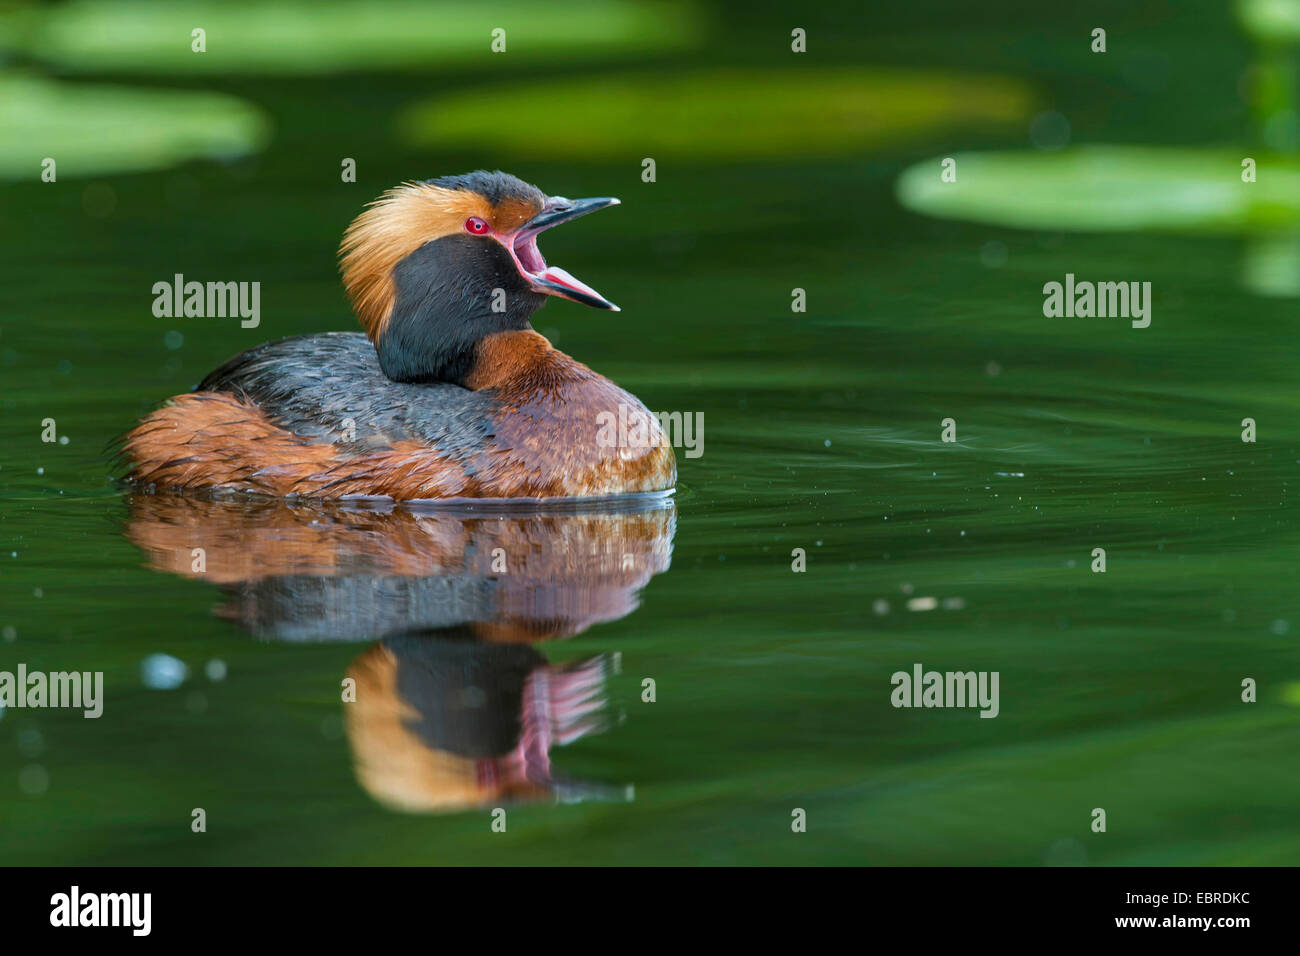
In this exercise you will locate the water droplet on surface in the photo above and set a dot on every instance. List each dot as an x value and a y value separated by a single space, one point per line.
33 780
163 672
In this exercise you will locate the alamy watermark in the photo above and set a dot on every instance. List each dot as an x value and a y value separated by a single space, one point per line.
950 689
208 300
82 690
1085 300
75 908
631 428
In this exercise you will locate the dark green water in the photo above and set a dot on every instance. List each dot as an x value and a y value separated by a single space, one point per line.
1119 690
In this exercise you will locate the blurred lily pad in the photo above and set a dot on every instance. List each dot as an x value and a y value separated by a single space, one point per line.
93 130
1271 20
719 115
1271 265
1110 189
295 36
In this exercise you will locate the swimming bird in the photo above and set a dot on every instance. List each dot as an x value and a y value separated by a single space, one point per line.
450 393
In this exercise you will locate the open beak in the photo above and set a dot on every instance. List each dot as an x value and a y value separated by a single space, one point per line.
552 280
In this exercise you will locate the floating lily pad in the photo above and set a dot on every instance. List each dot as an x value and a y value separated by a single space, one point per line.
294 36
1110 189
1271 265
93 130
719 115
1271 20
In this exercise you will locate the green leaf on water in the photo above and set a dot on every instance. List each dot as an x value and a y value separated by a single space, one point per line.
1271 20
730 115
92 130
295 36
1110 189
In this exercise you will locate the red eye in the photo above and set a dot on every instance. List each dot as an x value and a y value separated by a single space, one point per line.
476 225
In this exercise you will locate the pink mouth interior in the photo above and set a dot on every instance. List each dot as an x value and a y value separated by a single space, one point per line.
527 254
533 267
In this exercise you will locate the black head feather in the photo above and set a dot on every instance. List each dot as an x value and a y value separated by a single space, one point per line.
494 186
453 291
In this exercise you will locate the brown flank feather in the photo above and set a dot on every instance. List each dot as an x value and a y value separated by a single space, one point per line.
544 445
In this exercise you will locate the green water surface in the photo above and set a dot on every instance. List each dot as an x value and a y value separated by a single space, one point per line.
1119 691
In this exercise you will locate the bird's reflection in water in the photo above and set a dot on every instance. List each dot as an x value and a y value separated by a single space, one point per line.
454 706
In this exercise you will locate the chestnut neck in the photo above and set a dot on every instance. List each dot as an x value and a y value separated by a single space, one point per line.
506 357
